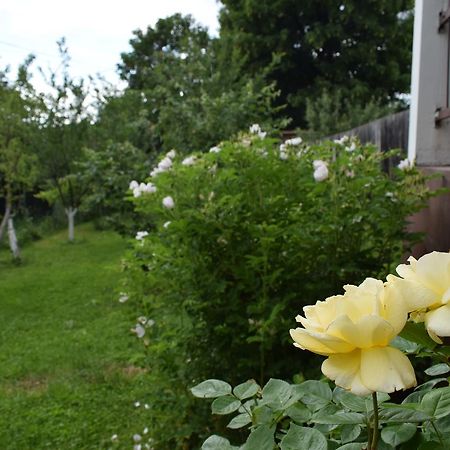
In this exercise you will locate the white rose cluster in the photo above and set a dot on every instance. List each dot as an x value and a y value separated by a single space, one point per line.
142 188
320 170
256 129
284 147
165 164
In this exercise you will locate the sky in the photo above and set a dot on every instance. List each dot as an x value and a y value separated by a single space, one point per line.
96 31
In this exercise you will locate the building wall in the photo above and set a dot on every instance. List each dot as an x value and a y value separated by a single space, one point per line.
429 145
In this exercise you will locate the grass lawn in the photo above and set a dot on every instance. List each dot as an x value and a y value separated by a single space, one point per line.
66 377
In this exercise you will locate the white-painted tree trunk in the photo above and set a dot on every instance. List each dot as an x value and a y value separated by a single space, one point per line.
70 212
4 221
13 245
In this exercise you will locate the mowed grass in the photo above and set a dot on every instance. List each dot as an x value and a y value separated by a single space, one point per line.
66 377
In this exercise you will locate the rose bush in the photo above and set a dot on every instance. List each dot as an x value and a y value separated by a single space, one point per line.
240 236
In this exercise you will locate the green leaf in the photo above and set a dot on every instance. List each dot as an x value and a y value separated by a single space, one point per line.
397 434
437 402
300 438
342 418
225 405
354 446
438 369
276 393
416 332
405 345
239 421
246 390
429 385
402 414
215 442
262 438
316 394
349 433
299 413
349 400
263 415
211 389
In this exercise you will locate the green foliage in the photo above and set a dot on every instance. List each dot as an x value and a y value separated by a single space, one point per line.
106 174
341 420
338 110
250 239
364 47
190 95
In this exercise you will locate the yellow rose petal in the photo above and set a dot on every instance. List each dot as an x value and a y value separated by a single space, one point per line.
415 295
438 321
386 369
319 343
369 331
344 370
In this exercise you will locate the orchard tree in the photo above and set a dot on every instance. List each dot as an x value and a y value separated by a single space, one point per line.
18 163
362 48
64 134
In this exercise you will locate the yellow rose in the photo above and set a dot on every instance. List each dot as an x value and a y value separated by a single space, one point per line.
354 330
425 287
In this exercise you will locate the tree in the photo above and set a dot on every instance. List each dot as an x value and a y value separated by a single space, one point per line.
64 134
18 165
364 48
192 96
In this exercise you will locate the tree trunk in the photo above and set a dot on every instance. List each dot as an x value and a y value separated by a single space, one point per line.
70 212
5 221
13 244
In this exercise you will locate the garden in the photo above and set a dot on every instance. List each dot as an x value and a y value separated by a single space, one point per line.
191 263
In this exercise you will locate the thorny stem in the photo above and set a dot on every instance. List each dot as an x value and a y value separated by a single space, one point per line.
373 444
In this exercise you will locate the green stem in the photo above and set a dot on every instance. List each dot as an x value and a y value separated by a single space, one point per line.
374 443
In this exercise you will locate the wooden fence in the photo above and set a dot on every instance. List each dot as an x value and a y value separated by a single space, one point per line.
386 133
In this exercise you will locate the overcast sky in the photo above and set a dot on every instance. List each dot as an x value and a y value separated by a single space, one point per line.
96 31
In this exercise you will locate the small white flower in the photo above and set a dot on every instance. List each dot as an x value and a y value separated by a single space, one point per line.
137 192
133 184
168 202
405 164
137 446
320 170
294 141
150 188
146 406
139 330
145 430
350 174
137 438
189 161
283 147
215 149
165 164
114 438
342 140
166 224
255 129
137 404
283 156
123 297
142 319
262 134
141 235
150 323
156 171
352 147
389 194
171 154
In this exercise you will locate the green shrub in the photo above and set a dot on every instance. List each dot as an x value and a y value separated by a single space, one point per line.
249 233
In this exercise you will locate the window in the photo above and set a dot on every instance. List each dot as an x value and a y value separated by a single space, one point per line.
444 26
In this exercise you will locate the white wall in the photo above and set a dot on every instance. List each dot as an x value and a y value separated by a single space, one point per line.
429 145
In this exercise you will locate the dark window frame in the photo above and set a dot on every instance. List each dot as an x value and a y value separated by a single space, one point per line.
444 112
